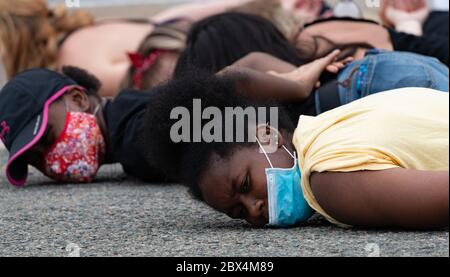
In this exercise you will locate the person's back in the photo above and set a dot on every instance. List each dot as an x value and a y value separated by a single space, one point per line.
98 39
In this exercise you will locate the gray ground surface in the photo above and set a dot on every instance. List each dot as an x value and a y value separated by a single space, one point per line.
119 217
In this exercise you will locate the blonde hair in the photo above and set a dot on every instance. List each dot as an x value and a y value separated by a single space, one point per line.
30 33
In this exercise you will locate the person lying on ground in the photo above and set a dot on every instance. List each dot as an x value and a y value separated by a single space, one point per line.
220 44
381 161
75 131
34 35
59 124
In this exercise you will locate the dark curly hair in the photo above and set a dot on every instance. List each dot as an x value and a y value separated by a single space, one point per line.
185 162
218 41
84 79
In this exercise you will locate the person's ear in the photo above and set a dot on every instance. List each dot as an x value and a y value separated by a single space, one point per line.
269 137
77 100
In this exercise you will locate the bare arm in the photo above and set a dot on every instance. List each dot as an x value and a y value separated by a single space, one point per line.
198 10
264 77
264 62
260 86
388 198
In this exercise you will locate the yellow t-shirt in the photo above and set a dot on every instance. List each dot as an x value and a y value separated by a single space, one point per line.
406 128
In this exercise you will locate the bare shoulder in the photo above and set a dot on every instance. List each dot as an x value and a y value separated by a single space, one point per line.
109 39
74 46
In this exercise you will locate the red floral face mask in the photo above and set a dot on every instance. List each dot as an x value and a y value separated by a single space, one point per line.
75 156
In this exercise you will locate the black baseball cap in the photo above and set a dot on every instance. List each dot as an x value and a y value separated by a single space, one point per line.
24 104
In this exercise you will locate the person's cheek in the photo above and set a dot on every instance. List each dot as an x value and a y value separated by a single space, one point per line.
260 183
266 206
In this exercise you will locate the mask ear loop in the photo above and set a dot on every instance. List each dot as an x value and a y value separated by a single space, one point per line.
264 151
97 109
289 152
65 106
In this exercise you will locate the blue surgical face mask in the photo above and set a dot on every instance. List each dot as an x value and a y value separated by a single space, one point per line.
287 205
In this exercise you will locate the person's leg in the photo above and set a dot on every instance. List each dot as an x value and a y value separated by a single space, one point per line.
352 79
382 70
438 71
394 70
348 89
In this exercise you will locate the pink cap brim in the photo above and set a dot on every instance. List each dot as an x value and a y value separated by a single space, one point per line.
36 139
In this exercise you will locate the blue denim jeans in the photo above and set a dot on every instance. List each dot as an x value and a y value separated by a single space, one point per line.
382 70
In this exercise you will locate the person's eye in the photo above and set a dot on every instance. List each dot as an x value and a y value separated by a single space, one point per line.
246 185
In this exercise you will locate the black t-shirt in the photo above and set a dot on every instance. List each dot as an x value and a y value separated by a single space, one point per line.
124 117
434 41
429 45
